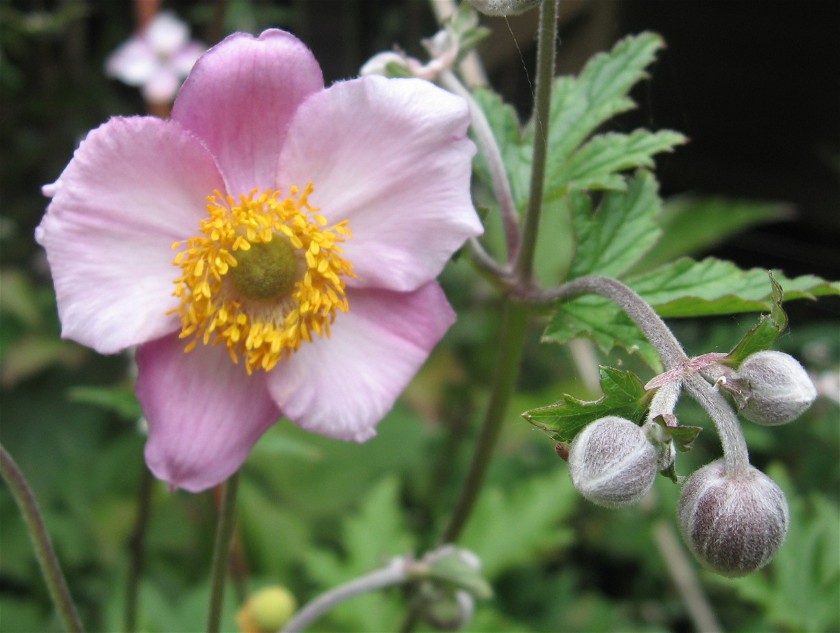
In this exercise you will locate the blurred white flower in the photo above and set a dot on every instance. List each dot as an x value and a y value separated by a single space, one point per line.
157 59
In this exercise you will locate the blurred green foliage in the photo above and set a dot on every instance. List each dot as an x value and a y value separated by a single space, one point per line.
315 512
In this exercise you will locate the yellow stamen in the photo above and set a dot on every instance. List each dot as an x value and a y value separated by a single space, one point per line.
261 326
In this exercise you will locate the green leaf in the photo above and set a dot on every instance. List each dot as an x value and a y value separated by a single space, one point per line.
371 536
620 232
685 288
539 504
120 400
765 333
688 288
692 225
624 396
581 104
595 164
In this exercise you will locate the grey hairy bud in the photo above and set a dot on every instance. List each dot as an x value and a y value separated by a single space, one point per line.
733 524
612 463
780 390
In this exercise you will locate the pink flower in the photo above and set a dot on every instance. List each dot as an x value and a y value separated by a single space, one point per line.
157 59
272 249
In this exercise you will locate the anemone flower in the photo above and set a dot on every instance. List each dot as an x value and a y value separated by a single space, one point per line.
271 250
156 59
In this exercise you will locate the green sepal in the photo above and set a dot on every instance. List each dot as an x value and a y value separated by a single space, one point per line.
765 333
682 436
624 396
452 570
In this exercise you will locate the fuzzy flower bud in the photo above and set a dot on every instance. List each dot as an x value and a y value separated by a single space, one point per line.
733 524
780 389
612 463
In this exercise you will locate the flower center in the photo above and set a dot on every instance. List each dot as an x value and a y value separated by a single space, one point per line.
267 270
265 274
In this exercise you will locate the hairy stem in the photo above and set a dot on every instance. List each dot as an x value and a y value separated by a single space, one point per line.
644 316
546 52
395 573
44 552
736 458
221 553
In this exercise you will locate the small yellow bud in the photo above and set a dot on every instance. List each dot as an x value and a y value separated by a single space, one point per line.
266 611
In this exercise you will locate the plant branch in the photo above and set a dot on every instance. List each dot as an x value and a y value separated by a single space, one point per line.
44 552
221 553
486 141
394 573
643 315
546 52
736 457
137 548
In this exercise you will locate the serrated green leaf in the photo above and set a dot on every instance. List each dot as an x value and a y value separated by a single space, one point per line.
596 164
693 225
624 396
371 536
687 288
623 228
602 321
579 105
514 526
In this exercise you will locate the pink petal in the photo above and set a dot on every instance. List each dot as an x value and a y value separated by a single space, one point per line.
239 99
390 155
204 413
343 386
133 188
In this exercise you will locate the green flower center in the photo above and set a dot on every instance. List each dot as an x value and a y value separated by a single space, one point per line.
267 270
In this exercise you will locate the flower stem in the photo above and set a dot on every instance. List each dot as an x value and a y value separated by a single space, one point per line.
546 52
486 141
221 553
44 552
514 316
513 329
137 547
735 454
644 316
394 573
736 458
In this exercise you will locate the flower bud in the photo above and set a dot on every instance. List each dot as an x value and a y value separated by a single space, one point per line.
734 524
780 389
612 463
266 611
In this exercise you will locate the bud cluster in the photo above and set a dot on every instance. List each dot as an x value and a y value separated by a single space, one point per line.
733 517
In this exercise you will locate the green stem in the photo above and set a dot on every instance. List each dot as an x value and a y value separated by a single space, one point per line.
137 546
221 553
47 560
513 329
546 52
